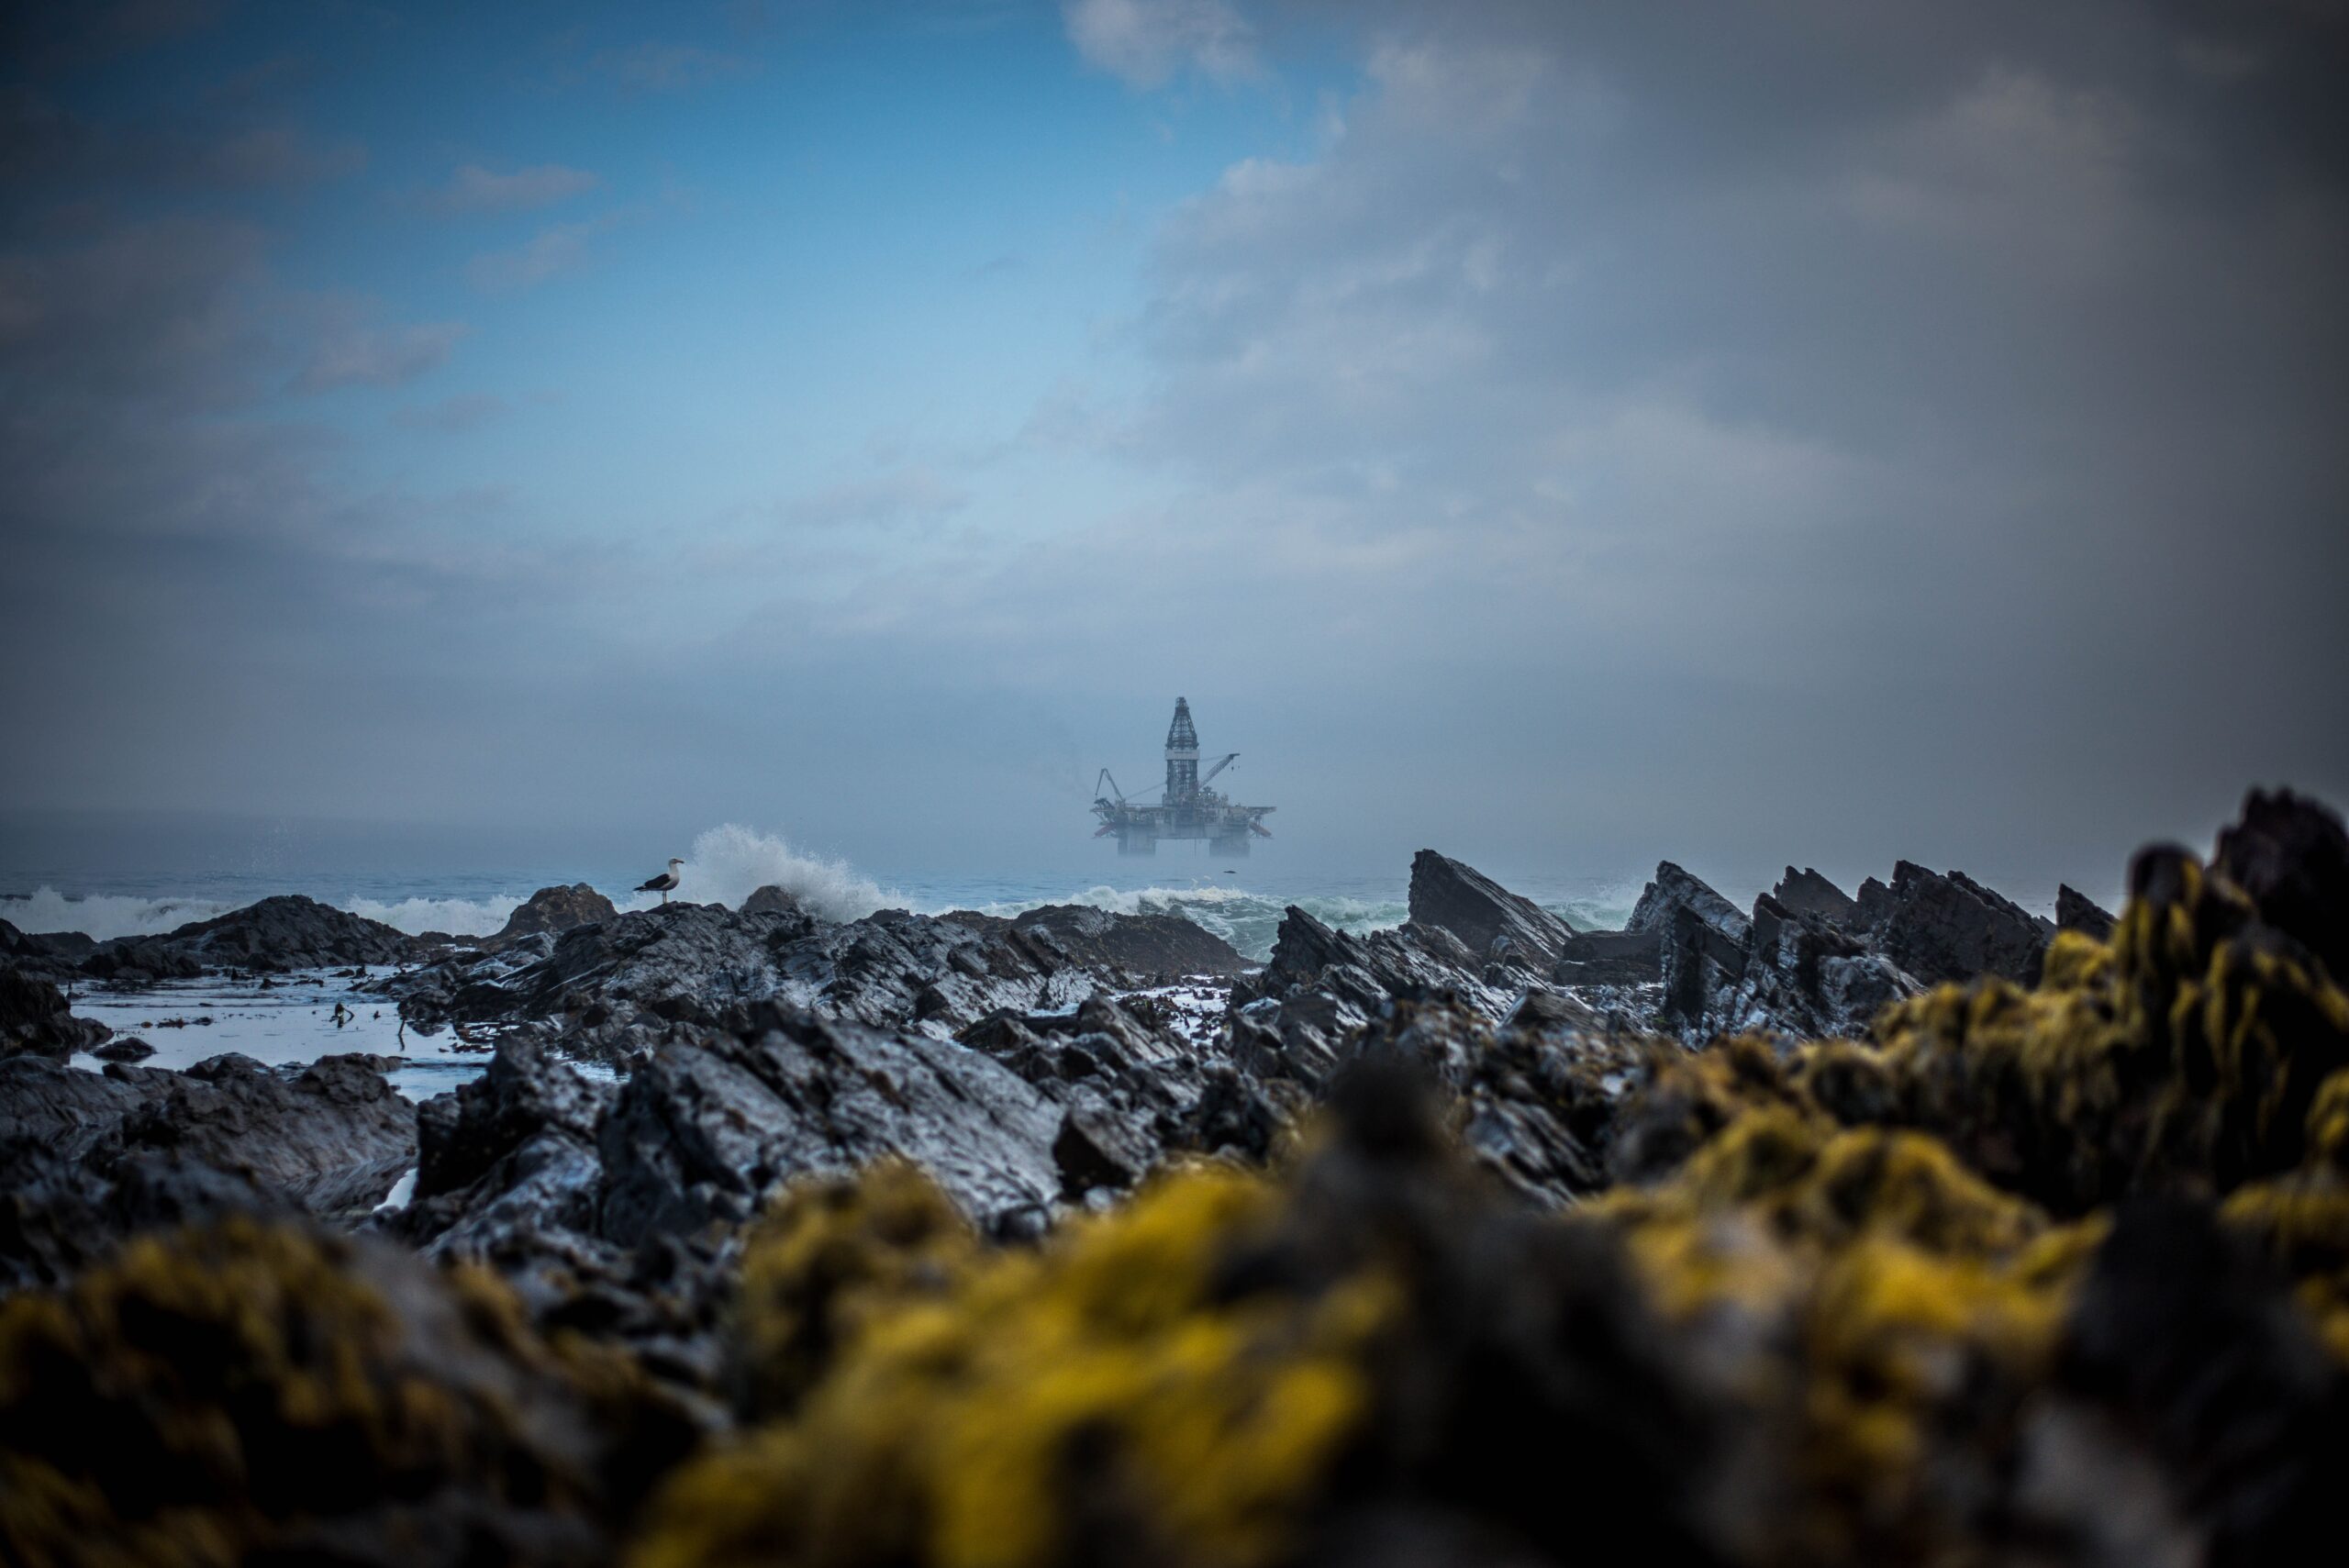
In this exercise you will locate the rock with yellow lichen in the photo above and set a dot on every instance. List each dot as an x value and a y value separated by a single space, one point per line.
1956 1293
2053 1273
253 1391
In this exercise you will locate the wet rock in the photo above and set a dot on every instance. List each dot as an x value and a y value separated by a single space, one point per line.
1807 893
1294 1019
275 935
1795 976
1673 890
332 1139
36 1019
1139 948
554 909
770 899
2075 911
1481 913
616 990
708 1127
1610 959
123 1048
1939 928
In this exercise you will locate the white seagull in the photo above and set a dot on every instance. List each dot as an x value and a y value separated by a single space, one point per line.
664 884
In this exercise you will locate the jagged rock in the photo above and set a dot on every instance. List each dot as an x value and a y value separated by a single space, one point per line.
1462 900
58 1216
2292 855
286 933
1673 890
1292 1020
616 990
1952 928
555 909
1796 977
46 1104
1532 1098
1807 893
708 1127
333 1138
36 1019
1610 959
1144 947
2075 911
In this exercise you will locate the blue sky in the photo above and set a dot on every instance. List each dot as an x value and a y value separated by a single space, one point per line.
1548 431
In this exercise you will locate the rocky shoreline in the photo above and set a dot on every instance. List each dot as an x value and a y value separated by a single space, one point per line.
1849 1228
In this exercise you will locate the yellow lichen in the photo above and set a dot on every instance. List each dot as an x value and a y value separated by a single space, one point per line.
962 1428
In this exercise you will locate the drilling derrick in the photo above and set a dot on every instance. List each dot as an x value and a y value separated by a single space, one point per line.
1186 808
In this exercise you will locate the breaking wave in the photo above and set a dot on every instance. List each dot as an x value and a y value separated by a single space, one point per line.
103 916
455 916
731 863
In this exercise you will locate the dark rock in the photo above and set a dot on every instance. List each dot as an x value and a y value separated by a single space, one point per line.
333 1138
1952 928
1609 958
2292 855
1323 986
551 909
2184 1339
2075 911
1795 976
36 1019
1482 913
770 899
259 1393
123 1048
616 990
286 933
709 1126
1142 947
1807 893
1673 890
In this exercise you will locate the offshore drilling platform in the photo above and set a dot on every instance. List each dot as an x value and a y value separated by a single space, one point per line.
1186 808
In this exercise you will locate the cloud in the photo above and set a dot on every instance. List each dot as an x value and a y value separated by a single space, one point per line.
355 353
1145 42
473 188
548 253
670 67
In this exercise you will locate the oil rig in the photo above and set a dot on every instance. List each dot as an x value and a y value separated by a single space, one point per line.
1186 808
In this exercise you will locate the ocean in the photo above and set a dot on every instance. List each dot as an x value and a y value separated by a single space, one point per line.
106 891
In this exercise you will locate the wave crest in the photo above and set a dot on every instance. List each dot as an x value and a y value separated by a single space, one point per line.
731 863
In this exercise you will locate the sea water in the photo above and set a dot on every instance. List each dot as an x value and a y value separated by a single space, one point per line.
1243 903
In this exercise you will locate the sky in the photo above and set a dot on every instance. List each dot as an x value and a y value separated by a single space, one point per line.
1566 434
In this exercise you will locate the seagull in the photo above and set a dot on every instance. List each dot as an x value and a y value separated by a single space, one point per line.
663 884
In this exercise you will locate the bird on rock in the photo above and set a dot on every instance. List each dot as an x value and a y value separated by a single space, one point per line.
664 884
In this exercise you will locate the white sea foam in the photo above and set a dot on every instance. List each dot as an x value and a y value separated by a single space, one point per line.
104 915
729 863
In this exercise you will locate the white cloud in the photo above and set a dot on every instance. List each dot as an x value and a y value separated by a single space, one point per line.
1146 42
